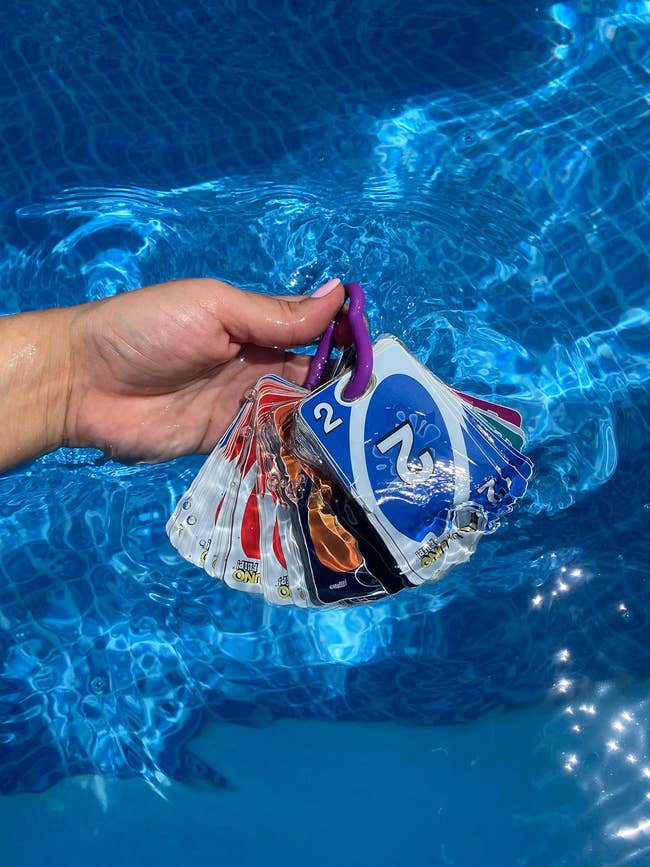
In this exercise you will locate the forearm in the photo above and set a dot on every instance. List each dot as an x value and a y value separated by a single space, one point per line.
35 382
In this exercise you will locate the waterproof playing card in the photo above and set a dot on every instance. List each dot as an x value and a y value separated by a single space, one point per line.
511 416
334 568
190 526
244 564
285 555
237 447
413 456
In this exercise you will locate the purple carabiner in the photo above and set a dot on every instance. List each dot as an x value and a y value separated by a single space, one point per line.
318 362
363 367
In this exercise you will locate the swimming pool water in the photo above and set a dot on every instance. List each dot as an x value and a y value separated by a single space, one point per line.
482 170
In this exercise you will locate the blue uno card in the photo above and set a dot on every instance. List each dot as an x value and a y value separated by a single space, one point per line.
430 479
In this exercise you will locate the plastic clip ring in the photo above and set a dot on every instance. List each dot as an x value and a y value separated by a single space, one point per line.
363 367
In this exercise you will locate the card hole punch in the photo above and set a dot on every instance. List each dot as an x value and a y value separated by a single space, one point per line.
362 378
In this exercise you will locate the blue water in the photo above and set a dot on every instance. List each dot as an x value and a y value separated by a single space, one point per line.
482 169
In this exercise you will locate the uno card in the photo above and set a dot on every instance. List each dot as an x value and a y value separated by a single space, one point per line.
511 416
244 565
405 450
190 526
226 497
280 481
336 571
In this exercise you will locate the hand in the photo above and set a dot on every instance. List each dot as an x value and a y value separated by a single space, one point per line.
161 371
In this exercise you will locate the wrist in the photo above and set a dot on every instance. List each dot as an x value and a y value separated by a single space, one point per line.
64 367
54 337
36 375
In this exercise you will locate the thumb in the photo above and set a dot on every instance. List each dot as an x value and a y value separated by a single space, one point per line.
282 321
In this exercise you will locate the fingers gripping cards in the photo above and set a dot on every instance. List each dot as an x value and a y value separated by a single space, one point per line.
314 500
428 469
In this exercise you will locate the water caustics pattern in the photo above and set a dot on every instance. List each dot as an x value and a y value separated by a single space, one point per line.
497 214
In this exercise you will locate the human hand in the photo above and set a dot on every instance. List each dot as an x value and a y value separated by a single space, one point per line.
161 371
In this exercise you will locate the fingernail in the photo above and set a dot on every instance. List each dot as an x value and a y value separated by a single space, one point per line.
326 288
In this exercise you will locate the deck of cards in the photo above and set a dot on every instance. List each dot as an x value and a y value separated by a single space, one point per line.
341 496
